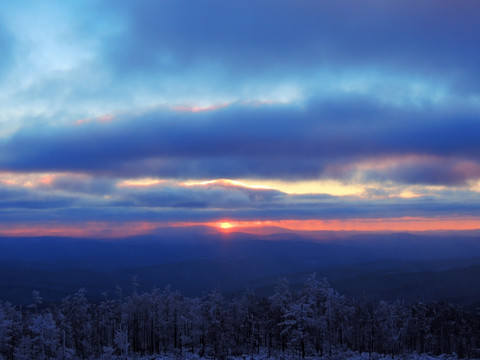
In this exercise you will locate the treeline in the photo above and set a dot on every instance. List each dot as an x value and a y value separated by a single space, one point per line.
316 321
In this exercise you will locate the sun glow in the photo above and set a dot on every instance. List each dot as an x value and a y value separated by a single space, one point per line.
373 224
225 225
132 228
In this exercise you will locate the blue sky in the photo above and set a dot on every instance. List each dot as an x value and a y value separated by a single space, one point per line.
159 113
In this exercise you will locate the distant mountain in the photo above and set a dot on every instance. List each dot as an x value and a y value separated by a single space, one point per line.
453 280
194 261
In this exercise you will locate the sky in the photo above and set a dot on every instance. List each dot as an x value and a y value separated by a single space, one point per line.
123 118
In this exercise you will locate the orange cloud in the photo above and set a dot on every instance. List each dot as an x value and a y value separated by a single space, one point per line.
105 118
36 180
330 187
145 182
27 180
82 121
102 119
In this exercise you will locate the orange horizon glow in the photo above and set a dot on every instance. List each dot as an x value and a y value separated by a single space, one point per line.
119 230
412 224
89 229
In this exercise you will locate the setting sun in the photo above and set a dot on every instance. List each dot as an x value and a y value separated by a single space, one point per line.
226 225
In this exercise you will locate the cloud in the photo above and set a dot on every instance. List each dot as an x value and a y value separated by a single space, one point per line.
252 37
72 183
317 141
28 199
169 202
97 97
209 198
79 61
436 171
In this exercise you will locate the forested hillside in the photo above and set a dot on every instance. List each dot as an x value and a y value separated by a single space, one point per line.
316 321
386 267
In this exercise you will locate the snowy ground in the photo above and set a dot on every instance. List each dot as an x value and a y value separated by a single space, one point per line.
342 356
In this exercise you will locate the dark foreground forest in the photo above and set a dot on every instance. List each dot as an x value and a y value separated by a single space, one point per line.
314 322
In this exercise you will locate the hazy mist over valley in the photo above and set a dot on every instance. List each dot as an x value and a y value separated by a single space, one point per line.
431 267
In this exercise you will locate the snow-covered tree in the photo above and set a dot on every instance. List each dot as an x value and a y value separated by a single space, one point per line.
78 323
314 321
45 336
280 302
121 343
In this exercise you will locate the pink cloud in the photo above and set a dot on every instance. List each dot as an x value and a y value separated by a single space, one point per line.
200 108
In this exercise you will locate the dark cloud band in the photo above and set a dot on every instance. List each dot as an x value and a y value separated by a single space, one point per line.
319 141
